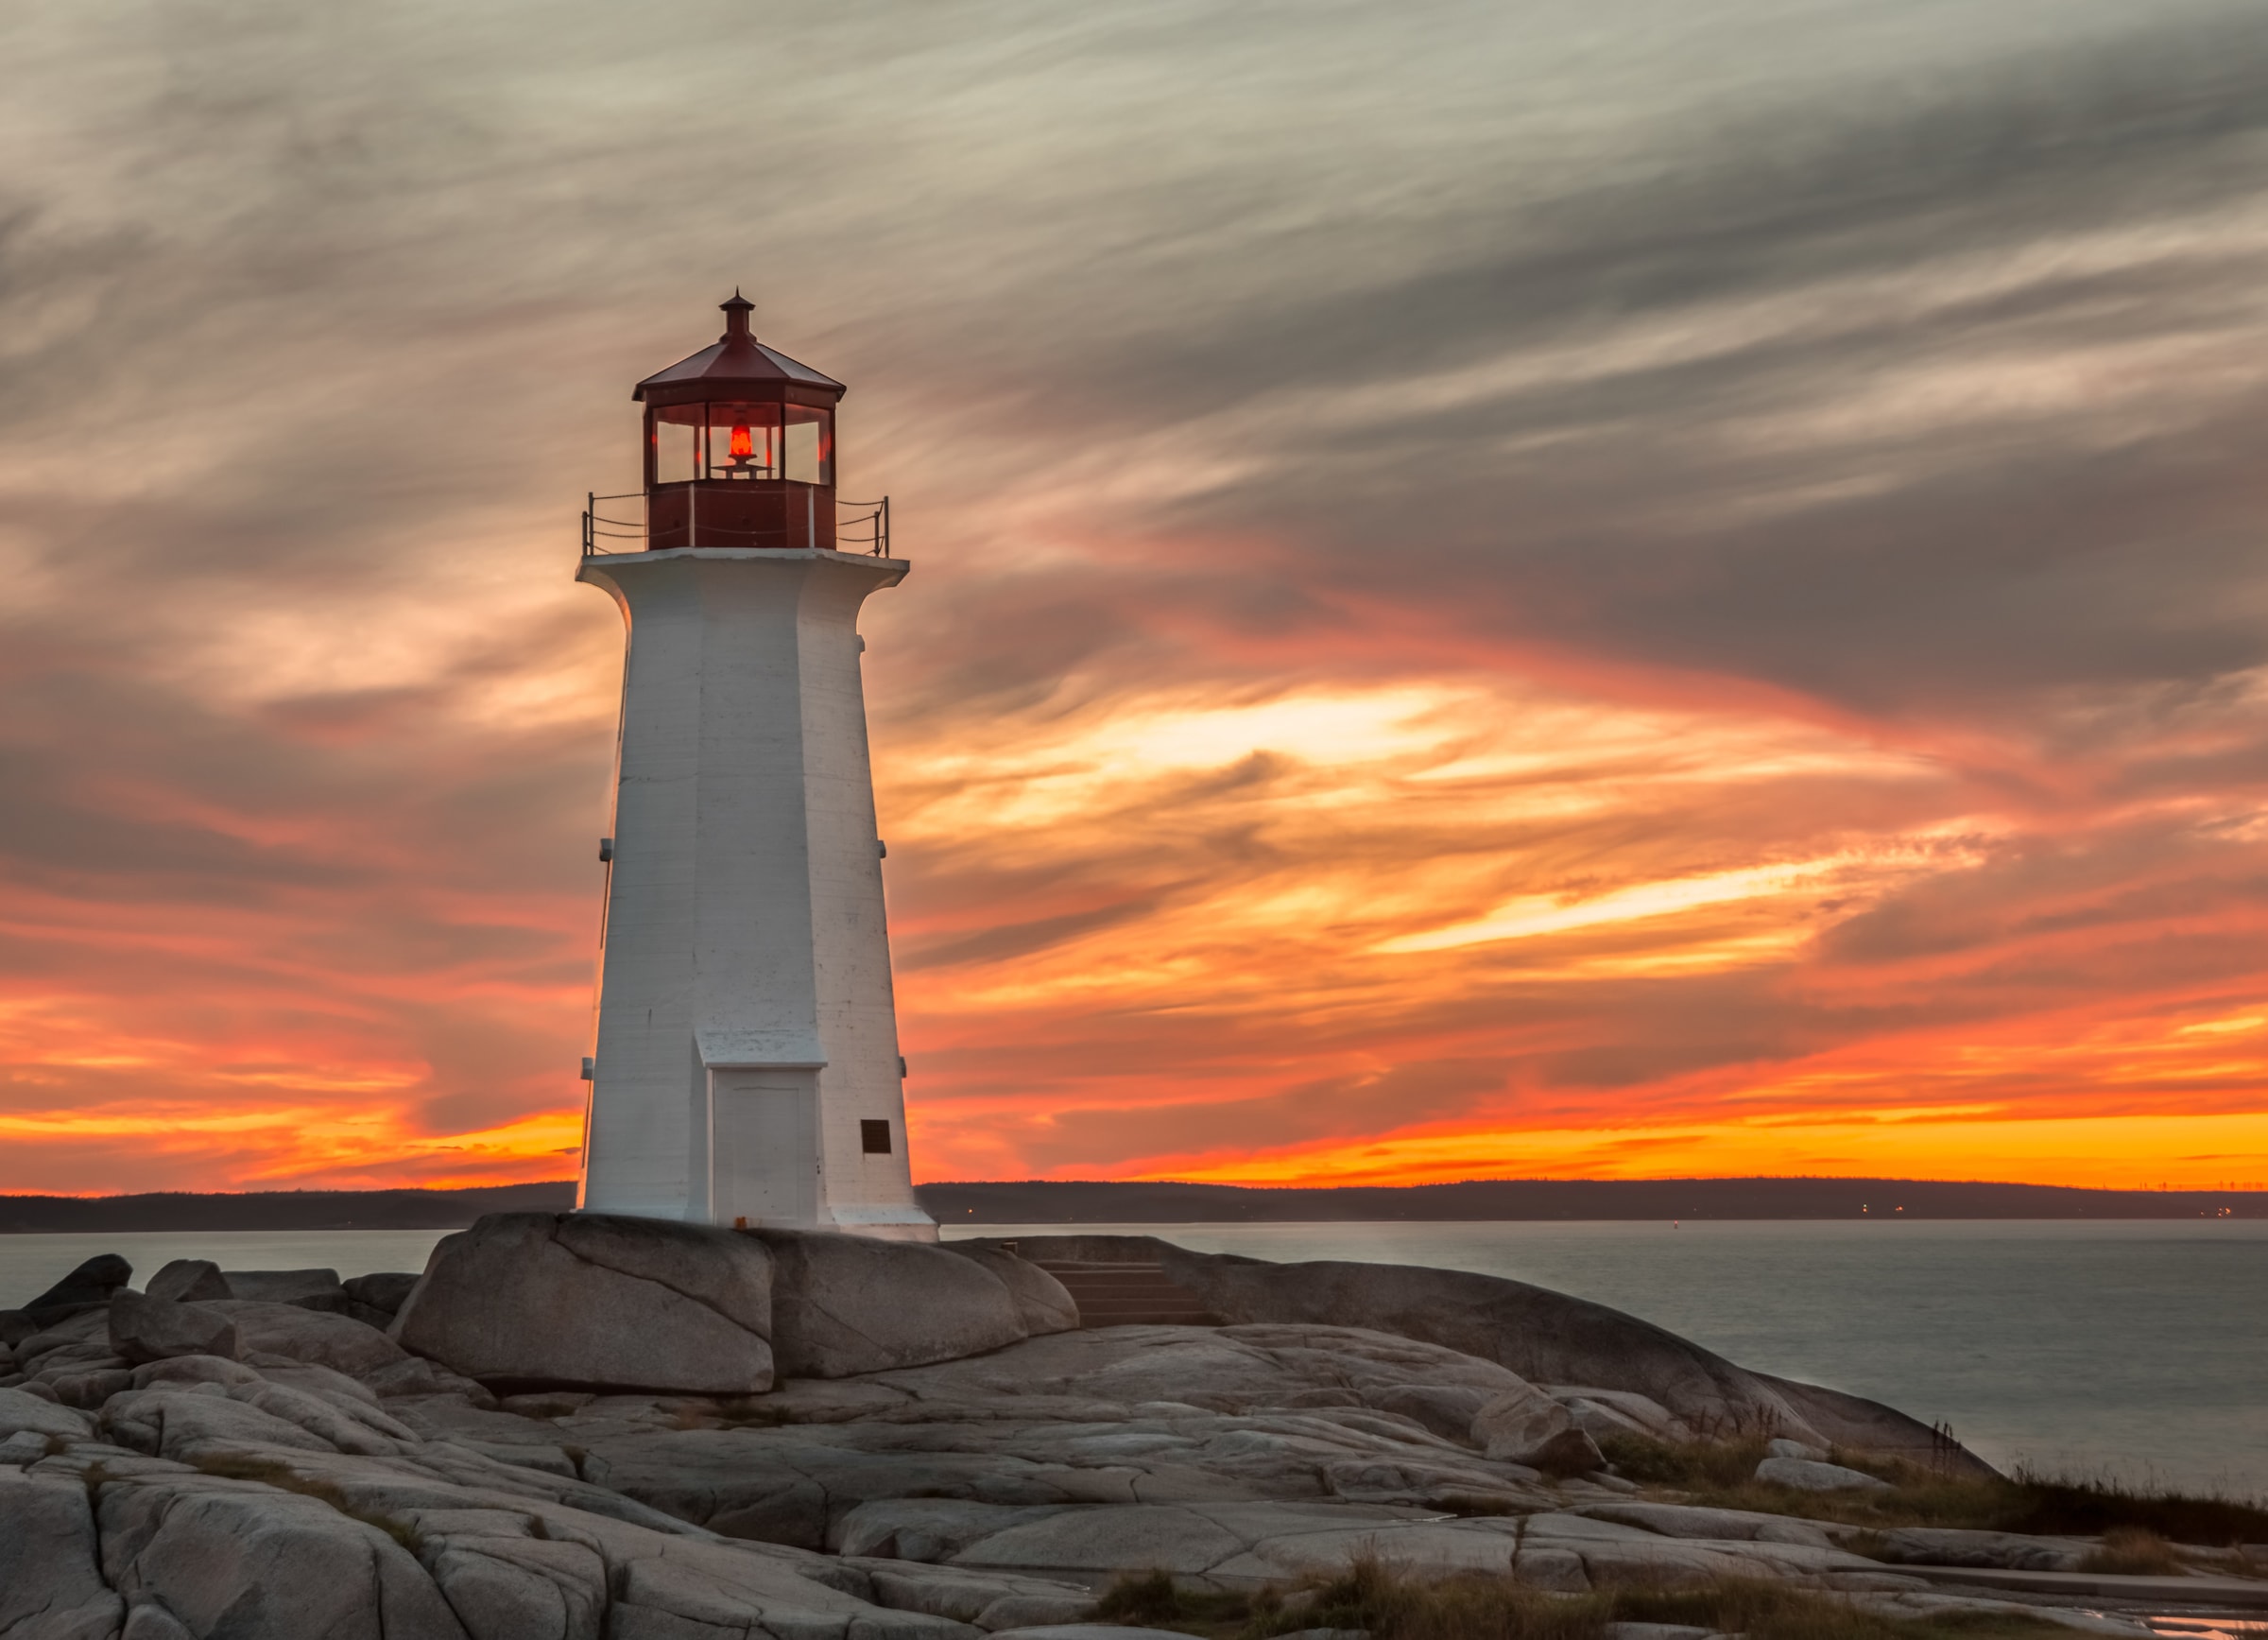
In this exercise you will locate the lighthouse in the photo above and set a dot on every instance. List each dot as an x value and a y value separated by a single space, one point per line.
747 1068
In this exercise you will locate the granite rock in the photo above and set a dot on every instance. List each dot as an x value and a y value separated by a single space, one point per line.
187 1280
324 1481
23 1409
1960 1547
1043 1304
1544 1337
287 1333
145 1329
266 1565
1522 1424
51 1583
523 1299
1805 1474
846 1304
382 1290
197 1370
310 1289
152 1622
91 1283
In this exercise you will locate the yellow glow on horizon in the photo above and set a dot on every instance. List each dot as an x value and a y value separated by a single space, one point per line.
2104 1152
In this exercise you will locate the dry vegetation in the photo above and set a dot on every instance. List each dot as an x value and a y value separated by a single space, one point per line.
1722 1475
1392 1604
279 1475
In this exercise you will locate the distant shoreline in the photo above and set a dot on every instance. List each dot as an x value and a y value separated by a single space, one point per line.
1075 1201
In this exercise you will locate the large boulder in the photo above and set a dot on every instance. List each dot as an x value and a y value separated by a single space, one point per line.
848 1303
144 1329
1043 1304
186 1280
287 1333
310 1289
87 1287
378 1298
596 1302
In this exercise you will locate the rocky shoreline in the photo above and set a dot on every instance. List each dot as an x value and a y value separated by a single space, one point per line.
592 1427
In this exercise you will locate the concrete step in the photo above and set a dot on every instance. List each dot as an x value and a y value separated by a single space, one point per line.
1126 1295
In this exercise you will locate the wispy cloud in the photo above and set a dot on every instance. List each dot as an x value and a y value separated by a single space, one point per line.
1497 589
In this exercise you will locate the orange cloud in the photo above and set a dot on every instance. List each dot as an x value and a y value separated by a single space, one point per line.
1586 637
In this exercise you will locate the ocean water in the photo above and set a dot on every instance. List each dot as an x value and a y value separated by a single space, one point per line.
2136 1349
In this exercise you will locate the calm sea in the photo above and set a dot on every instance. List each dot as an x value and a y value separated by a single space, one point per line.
2136 1349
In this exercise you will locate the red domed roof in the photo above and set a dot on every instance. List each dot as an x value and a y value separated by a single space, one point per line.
738 366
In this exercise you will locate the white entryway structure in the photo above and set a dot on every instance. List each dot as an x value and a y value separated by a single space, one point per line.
747 1070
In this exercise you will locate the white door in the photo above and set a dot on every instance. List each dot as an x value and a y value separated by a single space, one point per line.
763 1148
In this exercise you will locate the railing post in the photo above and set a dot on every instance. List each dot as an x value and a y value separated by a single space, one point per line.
692 503
883 550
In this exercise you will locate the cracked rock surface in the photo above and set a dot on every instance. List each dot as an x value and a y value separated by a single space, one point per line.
326 1482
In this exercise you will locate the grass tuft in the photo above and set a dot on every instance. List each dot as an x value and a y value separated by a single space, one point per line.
2135 1551
1393 1603
1723 1475
1146 1600
269 1472
1766 1611
1690 1464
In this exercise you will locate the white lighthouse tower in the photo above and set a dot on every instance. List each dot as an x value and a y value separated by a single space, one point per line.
747 1070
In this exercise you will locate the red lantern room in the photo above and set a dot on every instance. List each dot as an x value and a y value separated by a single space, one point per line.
740 446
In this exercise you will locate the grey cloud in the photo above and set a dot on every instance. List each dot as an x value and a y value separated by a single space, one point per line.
326 307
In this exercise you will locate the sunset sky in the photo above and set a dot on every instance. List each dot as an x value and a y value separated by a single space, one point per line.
1645 588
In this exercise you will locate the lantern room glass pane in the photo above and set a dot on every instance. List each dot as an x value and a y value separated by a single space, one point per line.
677 443
810 445
744 440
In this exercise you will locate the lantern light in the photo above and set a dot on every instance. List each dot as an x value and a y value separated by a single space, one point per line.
742 446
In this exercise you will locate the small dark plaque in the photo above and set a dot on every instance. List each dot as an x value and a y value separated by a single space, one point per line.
874 1138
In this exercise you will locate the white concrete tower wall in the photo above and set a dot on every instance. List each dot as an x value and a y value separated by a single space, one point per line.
746 1023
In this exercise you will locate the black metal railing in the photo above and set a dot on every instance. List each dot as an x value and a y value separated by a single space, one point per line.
873 517
859 526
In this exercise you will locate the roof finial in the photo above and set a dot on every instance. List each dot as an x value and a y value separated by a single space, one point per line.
736 316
